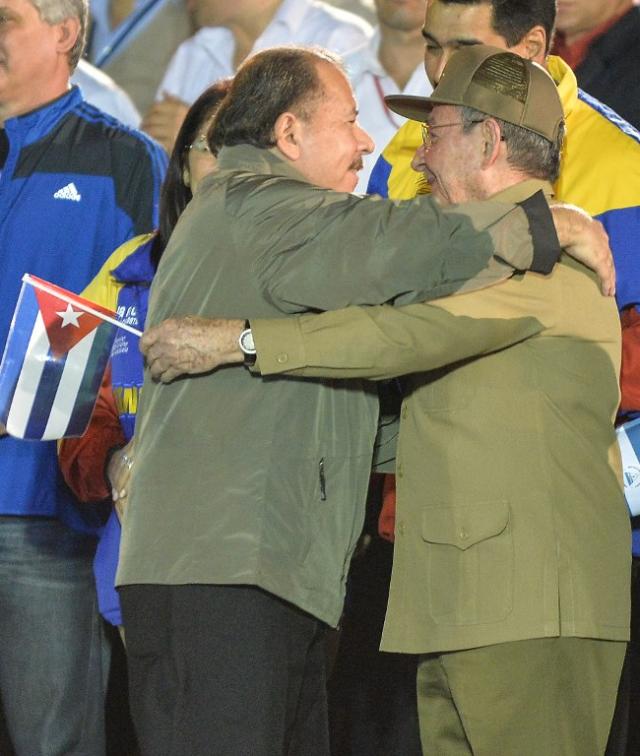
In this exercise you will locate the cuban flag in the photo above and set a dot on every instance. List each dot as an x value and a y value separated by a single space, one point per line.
629 443
53 362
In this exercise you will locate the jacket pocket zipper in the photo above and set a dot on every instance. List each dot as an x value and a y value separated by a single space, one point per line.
322 479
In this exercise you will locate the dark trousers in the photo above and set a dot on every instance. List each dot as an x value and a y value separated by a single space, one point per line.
224 671
624 739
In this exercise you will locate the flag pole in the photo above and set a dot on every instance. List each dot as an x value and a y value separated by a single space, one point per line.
81 305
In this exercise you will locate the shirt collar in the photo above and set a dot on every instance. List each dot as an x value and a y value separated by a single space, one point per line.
523 190
44 117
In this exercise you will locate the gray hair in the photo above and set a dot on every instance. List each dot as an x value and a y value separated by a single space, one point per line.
55 11
526 151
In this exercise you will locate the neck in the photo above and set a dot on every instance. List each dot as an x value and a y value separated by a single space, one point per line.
400 53
248 27
22 106
498 179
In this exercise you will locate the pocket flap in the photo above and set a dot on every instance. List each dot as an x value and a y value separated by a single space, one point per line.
464 525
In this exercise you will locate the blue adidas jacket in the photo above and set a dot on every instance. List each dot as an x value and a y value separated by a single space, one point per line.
74 186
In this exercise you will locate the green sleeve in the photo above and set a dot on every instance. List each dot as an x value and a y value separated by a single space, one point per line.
326 250
381 342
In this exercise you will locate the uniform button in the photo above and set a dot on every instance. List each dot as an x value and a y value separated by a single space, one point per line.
404 412
463 534
282 358
399 471
400 528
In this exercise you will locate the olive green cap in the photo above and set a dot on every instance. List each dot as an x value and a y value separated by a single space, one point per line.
496 82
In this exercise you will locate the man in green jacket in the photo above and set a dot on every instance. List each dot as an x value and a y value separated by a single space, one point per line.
247 494
510 574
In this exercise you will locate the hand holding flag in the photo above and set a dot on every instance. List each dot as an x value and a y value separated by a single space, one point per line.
54 360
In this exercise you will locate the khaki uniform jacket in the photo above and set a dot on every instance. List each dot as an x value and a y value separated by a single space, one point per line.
248 480
511 522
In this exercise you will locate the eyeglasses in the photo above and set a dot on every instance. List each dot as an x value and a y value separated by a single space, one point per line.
427 129
200 144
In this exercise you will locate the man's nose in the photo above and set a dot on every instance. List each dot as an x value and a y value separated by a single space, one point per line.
418 163
365 142
435 65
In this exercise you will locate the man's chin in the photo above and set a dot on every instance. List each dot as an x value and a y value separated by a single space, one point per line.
349 183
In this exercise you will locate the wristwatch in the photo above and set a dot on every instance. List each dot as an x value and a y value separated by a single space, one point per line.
245 342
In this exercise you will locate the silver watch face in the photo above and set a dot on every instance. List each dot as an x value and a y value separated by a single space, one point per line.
246 342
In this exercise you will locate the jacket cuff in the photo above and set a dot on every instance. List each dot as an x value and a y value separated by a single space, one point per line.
546 247
279 345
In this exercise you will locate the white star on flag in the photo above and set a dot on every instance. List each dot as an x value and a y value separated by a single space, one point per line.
70 316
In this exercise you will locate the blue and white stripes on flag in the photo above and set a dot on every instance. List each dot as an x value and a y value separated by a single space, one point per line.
53 362
629 443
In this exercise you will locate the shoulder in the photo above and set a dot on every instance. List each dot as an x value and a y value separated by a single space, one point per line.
101 90
89 124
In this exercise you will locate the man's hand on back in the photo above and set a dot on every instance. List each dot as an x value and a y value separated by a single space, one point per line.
585 239
190 345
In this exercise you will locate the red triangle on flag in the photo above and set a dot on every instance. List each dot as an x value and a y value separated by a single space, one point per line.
66 324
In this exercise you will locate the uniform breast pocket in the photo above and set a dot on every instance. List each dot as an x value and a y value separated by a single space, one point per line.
470 562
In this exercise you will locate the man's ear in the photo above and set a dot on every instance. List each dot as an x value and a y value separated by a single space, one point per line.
68 31
492 138
286 132
533 46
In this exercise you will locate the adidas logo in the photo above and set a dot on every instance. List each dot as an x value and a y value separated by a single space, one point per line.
68 192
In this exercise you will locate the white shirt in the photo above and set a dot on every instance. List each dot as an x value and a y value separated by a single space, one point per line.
364 8
371 84
208 55
102 91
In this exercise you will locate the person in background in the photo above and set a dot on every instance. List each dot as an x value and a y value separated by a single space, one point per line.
102 91
97 465
75 184
389 62
364 8
133 41
229 31
601 43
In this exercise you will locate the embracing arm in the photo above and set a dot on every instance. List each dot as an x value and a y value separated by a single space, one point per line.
381 342
356 342
325 250
585 239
